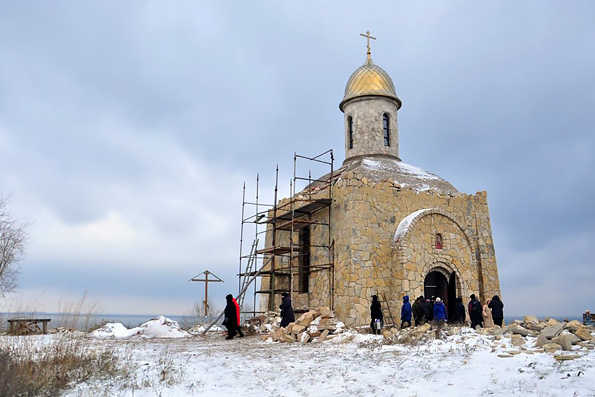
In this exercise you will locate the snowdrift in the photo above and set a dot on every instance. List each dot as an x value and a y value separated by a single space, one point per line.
160 327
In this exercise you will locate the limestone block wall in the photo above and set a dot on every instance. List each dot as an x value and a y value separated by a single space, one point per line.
364 221
368 135
365 216
415 254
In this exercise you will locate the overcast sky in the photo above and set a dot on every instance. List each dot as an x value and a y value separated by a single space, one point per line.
128 128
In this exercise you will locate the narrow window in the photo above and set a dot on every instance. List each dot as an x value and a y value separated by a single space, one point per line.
386 129
350 128
304 261
438 241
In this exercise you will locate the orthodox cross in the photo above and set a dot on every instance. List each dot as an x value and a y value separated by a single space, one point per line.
367 35
206 281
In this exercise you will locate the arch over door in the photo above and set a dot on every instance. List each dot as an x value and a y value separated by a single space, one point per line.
416 255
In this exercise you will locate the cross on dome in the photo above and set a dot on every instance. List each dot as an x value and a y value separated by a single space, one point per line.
368 37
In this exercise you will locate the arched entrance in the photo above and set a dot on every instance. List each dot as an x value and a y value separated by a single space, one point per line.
437 284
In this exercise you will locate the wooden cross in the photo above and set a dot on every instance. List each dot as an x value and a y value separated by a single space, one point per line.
207 281
367 35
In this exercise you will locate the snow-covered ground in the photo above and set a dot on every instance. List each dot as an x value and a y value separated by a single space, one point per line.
160 359
463 364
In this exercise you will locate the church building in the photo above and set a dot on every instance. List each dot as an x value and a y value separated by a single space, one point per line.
376 225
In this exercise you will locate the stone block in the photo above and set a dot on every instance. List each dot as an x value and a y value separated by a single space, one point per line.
537 327
553 330
323 336
584 334
304 337
296 329
277 334
518 330
288 339
540 341
306 318
551 347
530 319
573 325
565 357
517 340
422 329
574 339
564 341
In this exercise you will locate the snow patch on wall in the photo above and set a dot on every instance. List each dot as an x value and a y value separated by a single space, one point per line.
406 222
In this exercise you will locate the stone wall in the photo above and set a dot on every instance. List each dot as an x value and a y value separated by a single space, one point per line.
365 216
368 131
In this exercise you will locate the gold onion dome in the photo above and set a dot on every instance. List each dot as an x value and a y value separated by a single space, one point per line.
369 80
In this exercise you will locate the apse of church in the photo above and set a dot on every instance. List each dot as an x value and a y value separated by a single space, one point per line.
376 225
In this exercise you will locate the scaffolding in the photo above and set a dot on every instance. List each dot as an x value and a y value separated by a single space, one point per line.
285 258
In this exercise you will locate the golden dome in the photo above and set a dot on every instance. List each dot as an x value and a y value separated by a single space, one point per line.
369 79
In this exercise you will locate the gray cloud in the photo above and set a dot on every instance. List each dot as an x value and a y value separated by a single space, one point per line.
127 129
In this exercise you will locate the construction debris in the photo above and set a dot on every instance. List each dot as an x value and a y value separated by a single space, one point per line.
313 326
564 340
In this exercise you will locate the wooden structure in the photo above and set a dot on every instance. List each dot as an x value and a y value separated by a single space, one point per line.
28 326
206 280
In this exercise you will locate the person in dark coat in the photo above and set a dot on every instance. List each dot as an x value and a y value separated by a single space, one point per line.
287 315
475 311
230 320
497 310
418 311
458 312
427 309
376 314
406 313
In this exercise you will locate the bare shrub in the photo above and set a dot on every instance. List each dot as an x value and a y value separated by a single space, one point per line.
80 315
197 314
13 236
30 367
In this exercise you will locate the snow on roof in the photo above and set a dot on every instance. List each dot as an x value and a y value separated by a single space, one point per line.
160 327
405 175
405 168
406 222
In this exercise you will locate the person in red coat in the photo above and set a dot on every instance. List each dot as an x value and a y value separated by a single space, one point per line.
239 322
232 317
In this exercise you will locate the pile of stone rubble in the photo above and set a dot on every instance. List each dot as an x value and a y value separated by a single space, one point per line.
551 336
313 326
565 340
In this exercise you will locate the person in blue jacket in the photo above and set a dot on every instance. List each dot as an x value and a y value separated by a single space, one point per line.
406 313
439 312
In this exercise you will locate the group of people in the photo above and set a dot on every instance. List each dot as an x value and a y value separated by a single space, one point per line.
423 311
232 315
433 310
487 315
